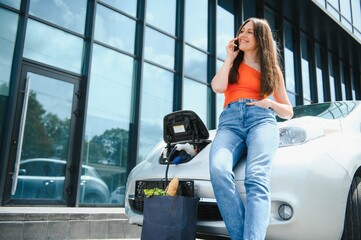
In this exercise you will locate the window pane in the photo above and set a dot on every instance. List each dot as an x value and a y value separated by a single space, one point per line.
289 59
108 115
54 47
190 89
164 21
333 10
128 6
356 14
11 3
114 29
156 103
225 30
319 74
69 14
159 48
195 64
196 32
353 84
343 80
219 97
8 28
346 10
305 69
331 77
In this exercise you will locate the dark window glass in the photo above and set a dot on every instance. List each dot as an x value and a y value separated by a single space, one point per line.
319 74
69 14
114 29
305 70
8 28
289 63
165 20
53 47
331 77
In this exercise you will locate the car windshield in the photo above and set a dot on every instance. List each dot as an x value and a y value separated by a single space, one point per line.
333 110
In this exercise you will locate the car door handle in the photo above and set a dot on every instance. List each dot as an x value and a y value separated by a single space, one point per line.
21 136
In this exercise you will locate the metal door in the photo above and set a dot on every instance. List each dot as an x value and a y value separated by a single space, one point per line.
46 113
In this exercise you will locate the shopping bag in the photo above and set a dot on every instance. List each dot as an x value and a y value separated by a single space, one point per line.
169 218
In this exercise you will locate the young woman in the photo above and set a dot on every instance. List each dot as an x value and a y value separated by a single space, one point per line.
247 125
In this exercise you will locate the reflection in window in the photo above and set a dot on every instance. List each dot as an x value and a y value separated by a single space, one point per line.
159 48
54 47
343 80
331 78
225 29
289 64
195 64
8 28
157 101
69 14
12 3
219 97
108 115
305 71
332 7
356 15
114 29
128 6
164 21
319 73
196 12
190 89
346 10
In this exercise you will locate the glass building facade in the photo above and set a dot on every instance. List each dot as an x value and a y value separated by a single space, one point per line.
84 84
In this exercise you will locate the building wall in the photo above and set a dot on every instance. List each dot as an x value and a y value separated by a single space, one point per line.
126 64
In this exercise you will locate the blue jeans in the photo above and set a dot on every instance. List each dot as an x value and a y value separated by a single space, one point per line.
249 130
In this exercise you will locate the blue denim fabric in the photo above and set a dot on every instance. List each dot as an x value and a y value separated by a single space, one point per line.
250 130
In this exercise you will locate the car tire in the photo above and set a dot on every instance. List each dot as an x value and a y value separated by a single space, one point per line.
352 226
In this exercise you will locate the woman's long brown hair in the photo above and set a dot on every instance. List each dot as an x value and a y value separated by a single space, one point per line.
268 57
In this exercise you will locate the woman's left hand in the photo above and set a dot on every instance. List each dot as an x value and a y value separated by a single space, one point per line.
264 103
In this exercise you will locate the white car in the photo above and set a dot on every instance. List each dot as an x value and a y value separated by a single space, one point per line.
316 177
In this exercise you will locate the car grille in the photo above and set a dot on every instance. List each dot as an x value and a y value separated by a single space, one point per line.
207 211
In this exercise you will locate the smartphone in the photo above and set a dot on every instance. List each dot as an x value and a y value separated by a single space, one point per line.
235 48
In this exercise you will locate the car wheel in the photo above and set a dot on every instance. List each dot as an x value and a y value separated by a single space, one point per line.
352 227
92 198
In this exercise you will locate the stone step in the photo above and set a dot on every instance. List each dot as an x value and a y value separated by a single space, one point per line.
65 223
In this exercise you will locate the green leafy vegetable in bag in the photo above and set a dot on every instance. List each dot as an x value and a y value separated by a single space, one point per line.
154 192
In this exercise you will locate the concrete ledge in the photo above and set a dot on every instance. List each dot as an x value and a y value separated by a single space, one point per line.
20 223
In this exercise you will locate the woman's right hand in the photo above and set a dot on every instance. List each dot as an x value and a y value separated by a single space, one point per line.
230 49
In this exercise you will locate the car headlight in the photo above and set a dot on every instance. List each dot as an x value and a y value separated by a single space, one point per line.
292 136
299 133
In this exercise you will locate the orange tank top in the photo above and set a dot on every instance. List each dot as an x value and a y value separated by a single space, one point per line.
248 85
